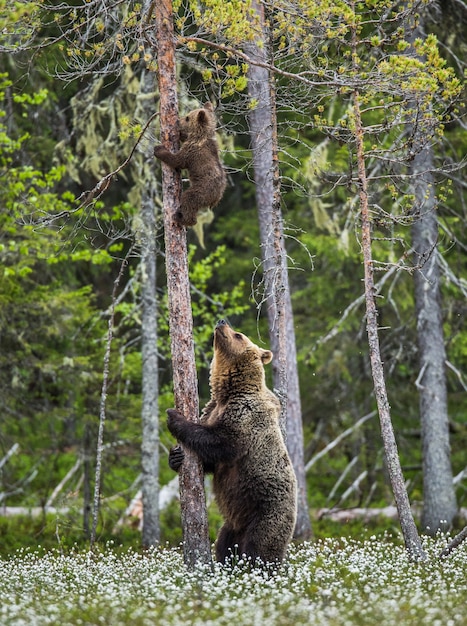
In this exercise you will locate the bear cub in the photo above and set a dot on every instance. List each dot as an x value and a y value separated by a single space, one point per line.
199 154
239 440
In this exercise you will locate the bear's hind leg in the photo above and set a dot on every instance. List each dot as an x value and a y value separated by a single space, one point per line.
262 546
189 206
227 544
250 551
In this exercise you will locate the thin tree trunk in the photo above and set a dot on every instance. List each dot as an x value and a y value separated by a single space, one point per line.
150 373
295 442
192 497
103 404
409 530
149 412
439 497
87 481
263 129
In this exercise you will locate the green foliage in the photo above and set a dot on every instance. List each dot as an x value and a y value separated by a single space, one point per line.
52 331
57 274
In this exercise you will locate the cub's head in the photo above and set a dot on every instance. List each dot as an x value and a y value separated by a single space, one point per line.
198 124
237 362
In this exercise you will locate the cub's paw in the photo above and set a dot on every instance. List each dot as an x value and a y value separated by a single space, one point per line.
176 456
158 150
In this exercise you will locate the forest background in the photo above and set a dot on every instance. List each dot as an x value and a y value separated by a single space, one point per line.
72 110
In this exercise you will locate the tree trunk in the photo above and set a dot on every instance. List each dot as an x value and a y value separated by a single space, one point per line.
103 404
409 530
87 481
263 129
196 543
150 373
439 497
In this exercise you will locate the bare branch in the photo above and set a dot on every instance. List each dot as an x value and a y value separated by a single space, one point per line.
418 382
62 483
104 183
457 373
338 439
88 197
355 304
455 543
14 448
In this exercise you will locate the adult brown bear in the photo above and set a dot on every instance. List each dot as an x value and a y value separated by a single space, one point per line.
239 440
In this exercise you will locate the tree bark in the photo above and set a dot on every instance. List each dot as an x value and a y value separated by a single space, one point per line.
196 545
150 372
87 481
439 497
263 130
409 530
149 412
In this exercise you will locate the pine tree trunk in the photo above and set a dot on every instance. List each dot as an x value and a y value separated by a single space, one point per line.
439 497
409 530
196 543
263 130
150 371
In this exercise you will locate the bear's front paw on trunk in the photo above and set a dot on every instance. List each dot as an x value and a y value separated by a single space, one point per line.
176 456
176 422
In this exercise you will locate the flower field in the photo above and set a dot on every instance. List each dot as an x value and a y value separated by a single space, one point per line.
328 582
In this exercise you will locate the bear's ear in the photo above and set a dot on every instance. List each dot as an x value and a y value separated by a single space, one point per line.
208 106
266 356
202 117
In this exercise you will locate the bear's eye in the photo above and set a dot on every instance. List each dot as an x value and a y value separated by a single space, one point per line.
238 336
187 119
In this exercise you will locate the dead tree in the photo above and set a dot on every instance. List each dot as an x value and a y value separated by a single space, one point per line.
409 530
150 372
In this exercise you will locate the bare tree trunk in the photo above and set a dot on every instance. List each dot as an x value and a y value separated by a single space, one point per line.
87 481
150 373
409 530
263 129
439 497
192 497
103 405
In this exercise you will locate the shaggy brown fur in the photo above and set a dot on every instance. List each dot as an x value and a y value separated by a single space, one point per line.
240 441
199 154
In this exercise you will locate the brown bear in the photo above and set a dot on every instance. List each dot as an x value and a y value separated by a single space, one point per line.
239 440
199 154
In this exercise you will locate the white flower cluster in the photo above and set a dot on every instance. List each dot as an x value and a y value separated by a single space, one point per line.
334 581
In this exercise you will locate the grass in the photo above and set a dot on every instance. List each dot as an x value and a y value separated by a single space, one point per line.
328 582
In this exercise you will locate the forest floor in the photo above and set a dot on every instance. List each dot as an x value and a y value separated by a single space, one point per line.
325 582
